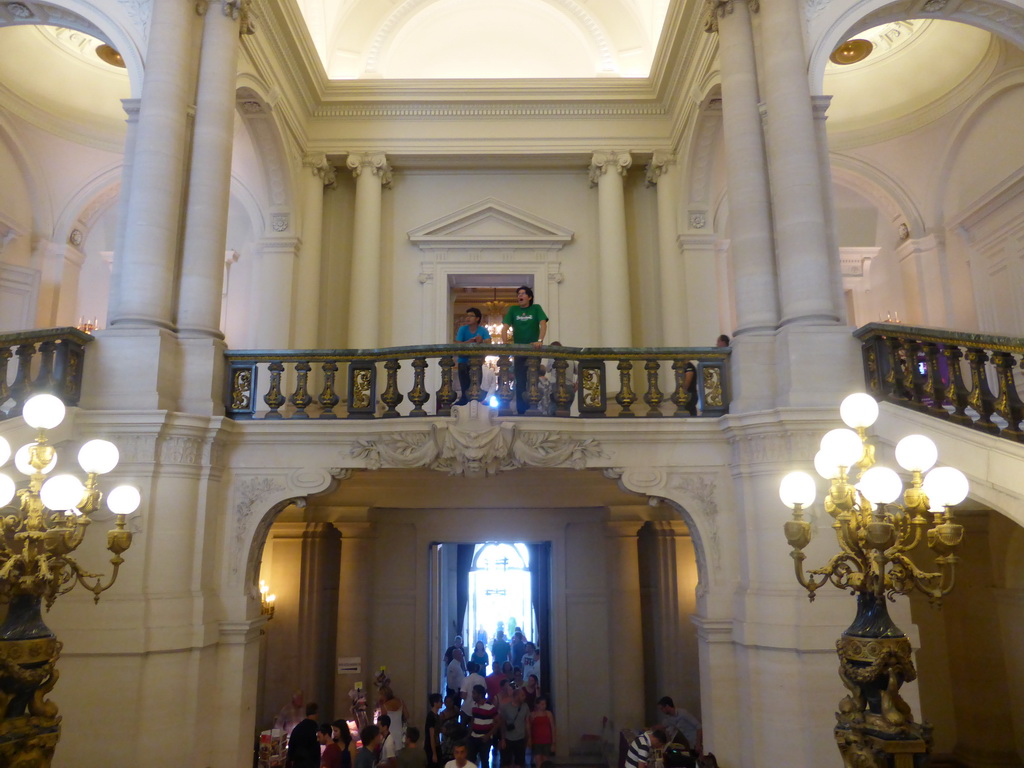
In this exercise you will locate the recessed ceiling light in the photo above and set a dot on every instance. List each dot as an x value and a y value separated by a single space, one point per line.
110 56
852 51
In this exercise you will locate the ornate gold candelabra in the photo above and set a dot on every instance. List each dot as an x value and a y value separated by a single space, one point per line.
38 534
878 541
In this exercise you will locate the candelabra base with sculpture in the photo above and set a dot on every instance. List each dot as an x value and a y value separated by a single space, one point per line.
875 727
879 557
30 727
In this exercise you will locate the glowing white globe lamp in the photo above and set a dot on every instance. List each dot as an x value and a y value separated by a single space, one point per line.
842 447
945 487
823 466
5 451
858 410
124 499
7 490
916 453
880 485
43 411
98 456
797 488
62 492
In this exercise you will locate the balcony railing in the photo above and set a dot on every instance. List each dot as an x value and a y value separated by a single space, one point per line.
927 369
49 360
420 381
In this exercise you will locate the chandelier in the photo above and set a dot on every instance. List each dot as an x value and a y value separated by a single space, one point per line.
878 539
39 532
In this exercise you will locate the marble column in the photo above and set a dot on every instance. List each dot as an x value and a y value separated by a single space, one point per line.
624 625
206 222
797 194
271 304
154 210
750 224
607 173
318 173
701 257
820 105
671 665
372 174
675 298
131 109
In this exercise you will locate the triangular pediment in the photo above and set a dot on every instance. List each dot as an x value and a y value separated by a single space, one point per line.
491 224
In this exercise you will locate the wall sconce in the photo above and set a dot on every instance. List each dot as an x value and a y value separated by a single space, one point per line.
267 599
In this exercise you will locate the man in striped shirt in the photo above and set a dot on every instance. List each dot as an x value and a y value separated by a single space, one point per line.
641 749
485 725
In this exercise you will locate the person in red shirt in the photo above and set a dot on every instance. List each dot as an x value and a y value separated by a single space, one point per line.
331 755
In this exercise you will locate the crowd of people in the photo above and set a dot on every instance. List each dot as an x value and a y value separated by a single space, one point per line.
493 702
504 711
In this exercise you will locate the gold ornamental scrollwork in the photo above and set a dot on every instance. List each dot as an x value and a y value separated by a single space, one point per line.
713 397
591 386
361 389
241 390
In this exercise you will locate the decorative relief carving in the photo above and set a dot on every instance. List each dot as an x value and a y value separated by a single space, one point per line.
469 444
19 10
241 11
1001 15
602 161
249 493
137 448
934 6
774 447
573 110
178 449
658 167
251 106
698 220
320 166
716 9
375 163
280 221
139 11
76 237
702 489
813 7
903 231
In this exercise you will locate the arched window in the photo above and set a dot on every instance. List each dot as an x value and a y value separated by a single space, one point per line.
499 593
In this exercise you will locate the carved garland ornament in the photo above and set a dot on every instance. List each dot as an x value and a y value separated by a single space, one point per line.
470 445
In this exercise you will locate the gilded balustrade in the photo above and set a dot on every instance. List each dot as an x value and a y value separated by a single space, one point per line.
947 374
402 381
47 361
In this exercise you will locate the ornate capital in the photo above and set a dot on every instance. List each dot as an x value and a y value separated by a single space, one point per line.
659 165
374 162
236 10
716 9
321 167
602 161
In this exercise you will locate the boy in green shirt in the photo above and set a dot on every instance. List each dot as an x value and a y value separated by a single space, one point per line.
528 324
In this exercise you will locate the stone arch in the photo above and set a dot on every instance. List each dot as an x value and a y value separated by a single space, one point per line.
699 191
263 124
87 204
591 29
881 189
42 206
1003 18
123 25
970 115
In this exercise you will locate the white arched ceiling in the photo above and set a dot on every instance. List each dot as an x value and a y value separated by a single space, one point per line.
485 38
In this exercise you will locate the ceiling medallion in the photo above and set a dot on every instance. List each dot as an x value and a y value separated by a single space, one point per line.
852 51
110 56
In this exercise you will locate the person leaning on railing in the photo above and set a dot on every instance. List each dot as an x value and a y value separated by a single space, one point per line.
529 325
